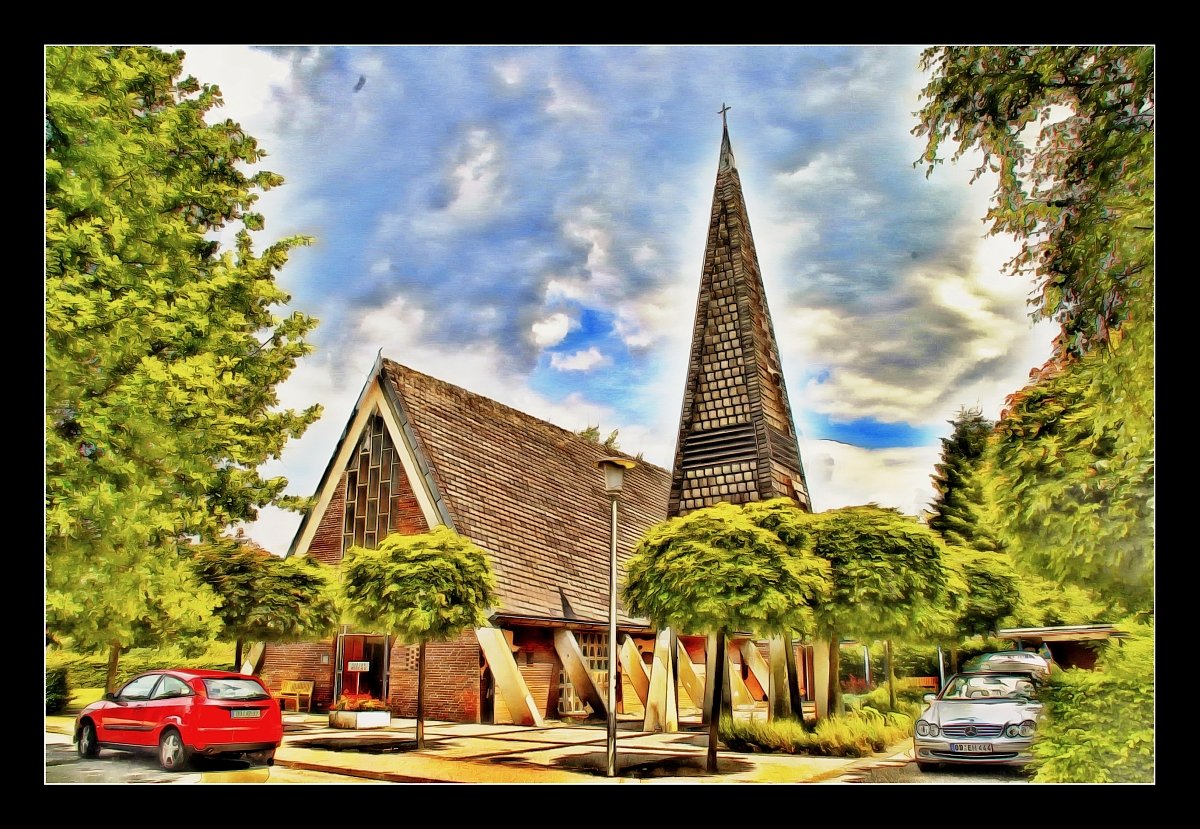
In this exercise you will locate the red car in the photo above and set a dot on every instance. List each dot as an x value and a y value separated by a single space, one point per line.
184 713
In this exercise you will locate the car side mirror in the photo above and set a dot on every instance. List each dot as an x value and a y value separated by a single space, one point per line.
929 698
110 696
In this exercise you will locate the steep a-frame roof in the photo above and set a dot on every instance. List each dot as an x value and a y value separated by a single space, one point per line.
529 493
525 490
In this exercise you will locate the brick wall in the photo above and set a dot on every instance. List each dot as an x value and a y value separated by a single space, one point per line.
326 546
451 679
301 661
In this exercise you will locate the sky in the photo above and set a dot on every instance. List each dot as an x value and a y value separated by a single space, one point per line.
529 224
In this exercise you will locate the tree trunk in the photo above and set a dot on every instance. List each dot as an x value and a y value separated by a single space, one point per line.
110 681
793 678
891 675
954 660
836 704
237 655
421 695
714 726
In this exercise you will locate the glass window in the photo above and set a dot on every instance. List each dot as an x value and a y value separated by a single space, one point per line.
235 689
139 688
990 686
371 480
171 687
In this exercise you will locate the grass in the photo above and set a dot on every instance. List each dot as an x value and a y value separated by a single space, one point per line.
859 733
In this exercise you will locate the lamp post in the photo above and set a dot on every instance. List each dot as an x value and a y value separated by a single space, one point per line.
614 479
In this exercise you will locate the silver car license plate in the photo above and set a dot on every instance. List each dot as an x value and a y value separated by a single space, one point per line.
245 713
972 748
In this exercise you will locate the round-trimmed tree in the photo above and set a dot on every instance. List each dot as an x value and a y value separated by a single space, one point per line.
888 577
421 588
715 571
265 598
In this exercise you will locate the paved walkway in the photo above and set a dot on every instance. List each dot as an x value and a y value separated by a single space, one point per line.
558 753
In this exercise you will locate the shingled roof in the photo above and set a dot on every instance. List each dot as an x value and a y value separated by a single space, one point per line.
529 493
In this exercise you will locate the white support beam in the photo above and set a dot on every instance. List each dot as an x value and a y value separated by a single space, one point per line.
779 698
662 714
710 661
634 668
693 686
758 665
739 693
820 656
509 681
576 667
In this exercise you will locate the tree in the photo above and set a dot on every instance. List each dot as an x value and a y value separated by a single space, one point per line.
888 579
990 591
162 355
958 508
422 588
1073 469
265 598
715 571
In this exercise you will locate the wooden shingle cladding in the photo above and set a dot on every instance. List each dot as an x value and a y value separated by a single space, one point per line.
737 439
529 493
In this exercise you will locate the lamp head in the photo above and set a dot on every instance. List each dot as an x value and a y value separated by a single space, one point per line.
614 473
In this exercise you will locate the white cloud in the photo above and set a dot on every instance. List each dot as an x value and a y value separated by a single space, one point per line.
477 176
579 361
823 170
552 330
840 475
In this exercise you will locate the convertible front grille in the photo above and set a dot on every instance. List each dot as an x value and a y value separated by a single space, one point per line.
981 730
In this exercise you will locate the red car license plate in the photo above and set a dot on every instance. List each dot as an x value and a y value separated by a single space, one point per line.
245 713
972 748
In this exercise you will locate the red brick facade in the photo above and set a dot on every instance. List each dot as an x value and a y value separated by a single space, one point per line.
301 661
451 679
326 546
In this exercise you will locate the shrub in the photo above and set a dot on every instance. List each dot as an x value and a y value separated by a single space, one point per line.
352 702
89 670
909 701
1099 725
859 733
58 689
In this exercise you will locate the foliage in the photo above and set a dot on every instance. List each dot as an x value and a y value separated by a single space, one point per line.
887 574
162 357
715 569
423 588
1072 472
1046 604
592 433
908 701
58 688
857 734
359 703
958 508
991 594
1081 199
88 670
1100 724
264 598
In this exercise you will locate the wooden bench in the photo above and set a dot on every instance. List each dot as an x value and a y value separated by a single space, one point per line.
298 691
918 682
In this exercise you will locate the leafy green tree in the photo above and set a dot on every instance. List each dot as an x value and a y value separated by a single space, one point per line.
958 509
1073 470
990 593
888 579
265 598
1081 198
162 354
422 588
715 571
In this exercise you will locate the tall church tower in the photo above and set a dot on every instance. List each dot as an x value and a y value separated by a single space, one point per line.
737 440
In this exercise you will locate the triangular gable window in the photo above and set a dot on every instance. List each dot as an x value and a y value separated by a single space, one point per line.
372 477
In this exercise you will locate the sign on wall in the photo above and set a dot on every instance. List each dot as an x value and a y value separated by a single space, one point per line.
358 667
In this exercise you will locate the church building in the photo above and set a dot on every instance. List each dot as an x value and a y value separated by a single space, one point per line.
418 452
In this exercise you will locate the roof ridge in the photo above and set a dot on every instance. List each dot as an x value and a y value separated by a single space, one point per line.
525 415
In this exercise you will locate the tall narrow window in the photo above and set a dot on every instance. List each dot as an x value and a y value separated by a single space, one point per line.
370 477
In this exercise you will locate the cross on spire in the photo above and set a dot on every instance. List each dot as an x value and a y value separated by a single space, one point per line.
722 112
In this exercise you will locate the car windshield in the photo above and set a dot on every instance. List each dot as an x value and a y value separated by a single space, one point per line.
234 689
989 686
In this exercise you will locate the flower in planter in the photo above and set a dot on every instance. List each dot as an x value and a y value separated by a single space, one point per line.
360 702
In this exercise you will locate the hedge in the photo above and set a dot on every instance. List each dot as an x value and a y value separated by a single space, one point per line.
89 671
58 689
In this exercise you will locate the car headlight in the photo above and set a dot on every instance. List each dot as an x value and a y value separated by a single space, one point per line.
1012 731
1027 728
922 728
933 730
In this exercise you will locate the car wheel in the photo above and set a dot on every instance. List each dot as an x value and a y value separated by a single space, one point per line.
262 758
89 744
173 755
928 767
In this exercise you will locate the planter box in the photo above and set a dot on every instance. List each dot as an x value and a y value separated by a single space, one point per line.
360 719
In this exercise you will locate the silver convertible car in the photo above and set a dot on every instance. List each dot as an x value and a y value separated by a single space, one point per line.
985 717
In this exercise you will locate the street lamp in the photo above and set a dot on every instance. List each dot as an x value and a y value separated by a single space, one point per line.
614 479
